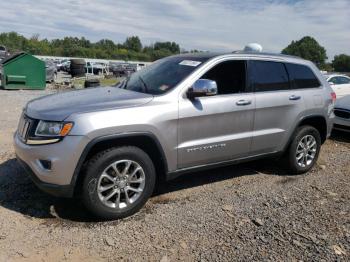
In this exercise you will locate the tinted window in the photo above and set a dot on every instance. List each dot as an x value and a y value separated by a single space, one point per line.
229 76
334 80
302 77
268 76
344 80
163 75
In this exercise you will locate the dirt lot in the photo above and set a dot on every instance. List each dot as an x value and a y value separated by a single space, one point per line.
247 212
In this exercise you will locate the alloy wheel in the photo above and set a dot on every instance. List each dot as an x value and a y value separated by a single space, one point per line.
306 151
121 184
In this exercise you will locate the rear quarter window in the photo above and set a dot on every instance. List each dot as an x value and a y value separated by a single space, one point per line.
301 76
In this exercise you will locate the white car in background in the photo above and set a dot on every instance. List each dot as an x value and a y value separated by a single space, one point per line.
340 84
342 114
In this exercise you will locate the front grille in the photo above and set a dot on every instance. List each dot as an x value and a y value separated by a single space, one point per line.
24 127
342 113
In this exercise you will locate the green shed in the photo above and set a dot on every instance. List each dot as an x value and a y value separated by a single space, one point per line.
23 71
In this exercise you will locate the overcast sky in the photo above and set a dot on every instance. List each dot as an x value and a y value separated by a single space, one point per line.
217 25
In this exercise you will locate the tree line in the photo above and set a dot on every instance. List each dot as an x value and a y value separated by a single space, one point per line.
133 49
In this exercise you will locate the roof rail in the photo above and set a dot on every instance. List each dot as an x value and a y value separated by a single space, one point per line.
263 53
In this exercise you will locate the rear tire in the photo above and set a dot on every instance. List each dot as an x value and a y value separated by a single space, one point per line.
118 182
303 152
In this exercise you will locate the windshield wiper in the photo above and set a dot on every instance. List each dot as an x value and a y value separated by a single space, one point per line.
144 84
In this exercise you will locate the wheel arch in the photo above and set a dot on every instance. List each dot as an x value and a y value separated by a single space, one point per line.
317 121
143 140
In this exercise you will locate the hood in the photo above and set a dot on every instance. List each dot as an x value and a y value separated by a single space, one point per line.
58 107
343 102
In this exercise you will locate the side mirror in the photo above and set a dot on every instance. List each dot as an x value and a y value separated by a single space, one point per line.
331 83
202 87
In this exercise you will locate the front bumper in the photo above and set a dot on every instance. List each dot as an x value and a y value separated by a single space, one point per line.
63 157
52 189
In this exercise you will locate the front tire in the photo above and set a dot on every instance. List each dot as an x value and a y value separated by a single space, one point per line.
304 150
118 182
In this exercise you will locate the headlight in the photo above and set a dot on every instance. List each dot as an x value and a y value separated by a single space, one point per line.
53 129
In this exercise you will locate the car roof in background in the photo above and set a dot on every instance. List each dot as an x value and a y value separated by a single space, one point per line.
49 61
335 74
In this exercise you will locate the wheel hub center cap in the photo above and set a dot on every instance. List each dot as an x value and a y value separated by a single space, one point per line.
121 183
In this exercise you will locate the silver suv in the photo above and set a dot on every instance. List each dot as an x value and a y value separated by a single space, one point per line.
180 114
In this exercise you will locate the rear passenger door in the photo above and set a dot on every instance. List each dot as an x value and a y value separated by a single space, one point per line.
277 105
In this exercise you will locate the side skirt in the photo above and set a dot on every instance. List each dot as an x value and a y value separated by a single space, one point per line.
175 174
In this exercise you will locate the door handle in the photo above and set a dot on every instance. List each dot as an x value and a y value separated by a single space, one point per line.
294 97
243 102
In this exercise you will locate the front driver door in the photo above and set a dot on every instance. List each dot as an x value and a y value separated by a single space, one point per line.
217 128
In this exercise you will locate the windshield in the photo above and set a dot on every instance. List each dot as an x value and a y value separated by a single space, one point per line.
163 75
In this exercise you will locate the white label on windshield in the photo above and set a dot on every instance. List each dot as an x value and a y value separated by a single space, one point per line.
190 63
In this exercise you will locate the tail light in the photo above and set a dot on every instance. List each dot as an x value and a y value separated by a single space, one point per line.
334 97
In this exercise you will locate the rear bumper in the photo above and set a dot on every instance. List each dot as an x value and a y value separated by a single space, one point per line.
52 189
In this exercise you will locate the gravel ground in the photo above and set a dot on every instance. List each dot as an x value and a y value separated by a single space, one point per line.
253 211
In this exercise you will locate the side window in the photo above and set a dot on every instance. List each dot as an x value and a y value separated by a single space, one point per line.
268 76
230 77
301 76
344 80
334 80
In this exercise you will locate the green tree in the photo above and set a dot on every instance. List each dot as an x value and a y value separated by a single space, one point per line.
133 43
341 63
106 44
157 54
13 41
307 48
173 47
328 67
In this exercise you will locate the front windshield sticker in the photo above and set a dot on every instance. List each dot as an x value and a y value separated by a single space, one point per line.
190 63
164 87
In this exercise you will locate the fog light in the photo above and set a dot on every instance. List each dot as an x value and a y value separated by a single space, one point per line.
46 164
